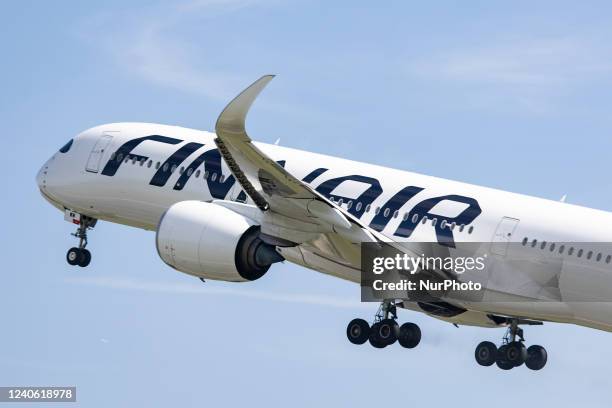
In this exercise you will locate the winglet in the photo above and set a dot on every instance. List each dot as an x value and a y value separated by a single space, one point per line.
231 121
231 131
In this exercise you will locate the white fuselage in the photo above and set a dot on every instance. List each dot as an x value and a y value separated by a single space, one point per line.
134 189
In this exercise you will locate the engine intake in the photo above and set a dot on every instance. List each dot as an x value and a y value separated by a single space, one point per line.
210 241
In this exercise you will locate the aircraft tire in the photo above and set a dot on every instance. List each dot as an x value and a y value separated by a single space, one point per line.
515 353
388 330
358 331
409 335
73 256
85 258
486 353
373 338
501 361
536 357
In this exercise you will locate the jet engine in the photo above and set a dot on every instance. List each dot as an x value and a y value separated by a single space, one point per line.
210 241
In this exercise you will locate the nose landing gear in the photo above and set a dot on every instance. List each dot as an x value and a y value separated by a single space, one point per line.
512 353
385 330
80 255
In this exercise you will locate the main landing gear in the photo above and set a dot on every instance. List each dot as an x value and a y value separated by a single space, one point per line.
385 330
512 353
80 255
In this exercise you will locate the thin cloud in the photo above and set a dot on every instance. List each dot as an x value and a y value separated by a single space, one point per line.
170 47
145 45
534 76
189 289
540 63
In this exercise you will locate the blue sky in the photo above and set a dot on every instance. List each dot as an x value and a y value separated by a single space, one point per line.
508 95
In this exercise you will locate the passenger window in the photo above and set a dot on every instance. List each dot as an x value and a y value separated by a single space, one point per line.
534 243
142 162
386 213
552 247
127 158
149 163
206 174
590 255
524 241
377 210
443 224
415 218
395 214
197 174
543 245
165 168
120 157
182 170
599 257
189 172
471 230
133 160
434 222
608 258
173 168
113 155
424 219
339 202
579 253
561 249
157 165
570 251
349 204
461 227
368 208
358 206
453 225
221 178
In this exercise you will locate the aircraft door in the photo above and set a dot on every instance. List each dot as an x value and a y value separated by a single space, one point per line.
503 235
93 162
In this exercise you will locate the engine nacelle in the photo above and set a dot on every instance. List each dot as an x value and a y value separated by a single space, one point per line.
211 241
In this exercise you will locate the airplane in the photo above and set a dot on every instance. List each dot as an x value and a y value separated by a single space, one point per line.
226 208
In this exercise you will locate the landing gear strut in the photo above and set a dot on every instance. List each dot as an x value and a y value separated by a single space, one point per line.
512 353
385 330
80 255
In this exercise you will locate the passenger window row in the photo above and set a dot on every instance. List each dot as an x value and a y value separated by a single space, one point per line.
396 213
561 249
349 204
166 167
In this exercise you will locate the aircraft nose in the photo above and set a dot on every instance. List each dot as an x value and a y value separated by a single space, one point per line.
41 177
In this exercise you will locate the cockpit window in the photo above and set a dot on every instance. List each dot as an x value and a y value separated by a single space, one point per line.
66 147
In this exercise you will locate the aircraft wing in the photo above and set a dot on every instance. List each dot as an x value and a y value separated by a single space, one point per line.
292 211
